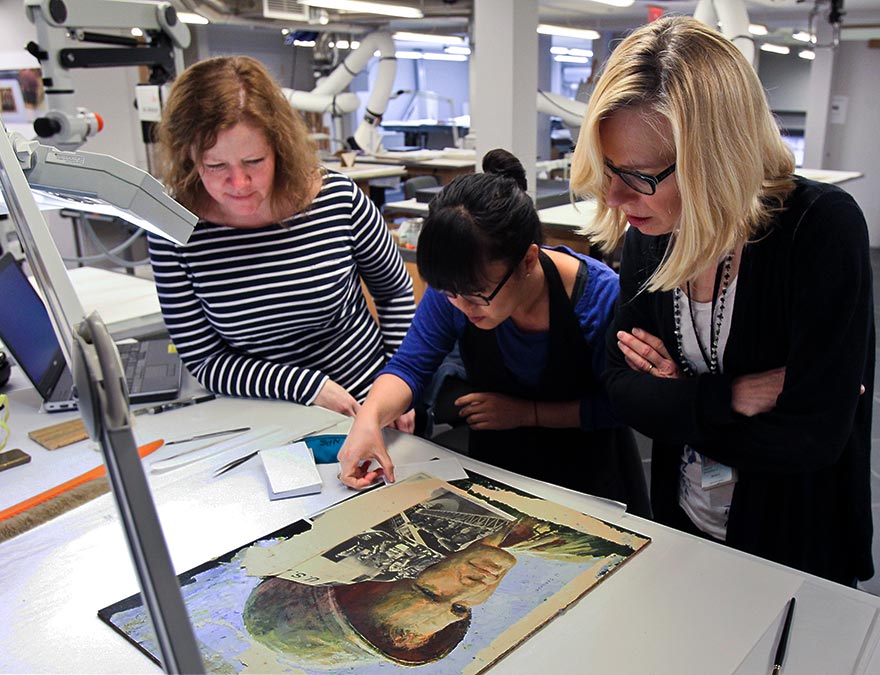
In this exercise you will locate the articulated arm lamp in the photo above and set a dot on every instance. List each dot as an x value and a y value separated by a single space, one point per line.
93 357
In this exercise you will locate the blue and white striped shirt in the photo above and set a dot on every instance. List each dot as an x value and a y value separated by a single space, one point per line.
272 312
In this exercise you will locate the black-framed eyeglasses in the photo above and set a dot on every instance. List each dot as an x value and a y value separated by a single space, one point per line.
640 182
486 300
479 298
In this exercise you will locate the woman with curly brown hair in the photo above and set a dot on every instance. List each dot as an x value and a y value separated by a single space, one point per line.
265 299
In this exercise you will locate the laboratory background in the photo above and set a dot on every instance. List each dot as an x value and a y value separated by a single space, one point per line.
467 76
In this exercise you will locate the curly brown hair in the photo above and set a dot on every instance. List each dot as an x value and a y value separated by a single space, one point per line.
215 95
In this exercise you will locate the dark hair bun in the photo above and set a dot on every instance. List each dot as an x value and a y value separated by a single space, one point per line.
504 163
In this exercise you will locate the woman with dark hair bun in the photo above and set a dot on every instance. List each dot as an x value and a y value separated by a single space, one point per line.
530 322
501 162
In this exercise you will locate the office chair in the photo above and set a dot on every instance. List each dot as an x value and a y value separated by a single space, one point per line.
412 185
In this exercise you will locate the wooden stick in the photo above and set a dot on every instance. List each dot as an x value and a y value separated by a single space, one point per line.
97 472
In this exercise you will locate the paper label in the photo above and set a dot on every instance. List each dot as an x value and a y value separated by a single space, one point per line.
715 474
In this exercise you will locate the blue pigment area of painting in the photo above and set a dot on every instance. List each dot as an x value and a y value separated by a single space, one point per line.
214 601
216 597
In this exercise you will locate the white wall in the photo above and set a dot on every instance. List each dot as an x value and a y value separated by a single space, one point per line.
786 77
855 144
291 66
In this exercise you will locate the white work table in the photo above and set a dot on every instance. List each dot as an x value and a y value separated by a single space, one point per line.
681 606
128 305
573 216
567 216
364 171
828 175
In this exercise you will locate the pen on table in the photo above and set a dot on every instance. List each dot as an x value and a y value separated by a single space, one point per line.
783 640
210 434
174 405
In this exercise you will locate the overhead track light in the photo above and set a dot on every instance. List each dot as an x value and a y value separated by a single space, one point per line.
440 56
757 29
566 58
563 31
428 37
361 6
776 49
192 17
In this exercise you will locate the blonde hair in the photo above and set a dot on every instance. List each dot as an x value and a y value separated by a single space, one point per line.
215 95
732 167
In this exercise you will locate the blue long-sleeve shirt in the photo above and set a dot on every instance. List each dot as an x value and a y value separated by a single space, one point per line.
437 326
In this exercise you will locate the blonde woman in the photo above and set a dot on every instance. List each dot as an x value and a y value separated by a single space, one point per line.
745 325
265 299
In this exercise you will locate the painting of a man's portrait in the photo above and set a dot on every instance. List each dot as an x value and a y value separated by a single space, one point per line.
449 582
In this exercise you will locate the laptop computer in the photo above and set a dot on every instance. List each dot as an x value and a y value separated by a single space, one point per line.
153 369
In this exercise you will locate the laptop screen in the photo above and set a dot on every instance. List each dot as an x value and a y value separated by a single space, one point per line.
26 329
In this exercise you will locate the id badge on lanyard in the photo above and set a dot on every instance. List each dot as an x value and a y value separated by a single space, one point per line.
715 474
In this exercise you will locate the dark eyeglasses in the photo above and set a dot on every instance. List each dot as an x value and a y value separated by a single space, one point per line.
479 298
641 183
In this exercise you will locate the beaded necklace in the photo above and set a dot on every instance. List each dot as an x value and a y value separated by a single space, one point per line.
710 358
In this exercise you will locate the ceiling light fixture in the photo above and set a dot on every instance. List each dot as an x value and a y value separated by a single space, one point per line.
367 8
403 36
565 58
192 17
807 54
440 56
803 36
776 49
757 29
457 49
562 31
409 55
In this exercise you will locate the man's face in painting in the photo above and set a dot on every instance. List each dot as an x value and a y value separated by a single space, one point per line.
414 609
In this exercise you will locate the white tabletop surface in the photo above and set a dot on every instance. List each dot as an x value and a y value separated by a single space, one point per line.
568 216
129 305
681 606
828 175
363 171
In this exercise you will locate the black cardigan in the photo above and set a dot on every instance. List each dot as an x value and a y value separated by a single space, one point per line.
803 301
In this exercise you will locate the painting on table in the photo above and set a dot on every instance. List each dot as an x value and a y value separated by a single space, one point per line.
445 576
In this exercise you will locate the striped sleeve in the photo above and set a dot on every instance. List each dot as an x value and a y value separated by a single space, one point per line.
382 269
208 355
